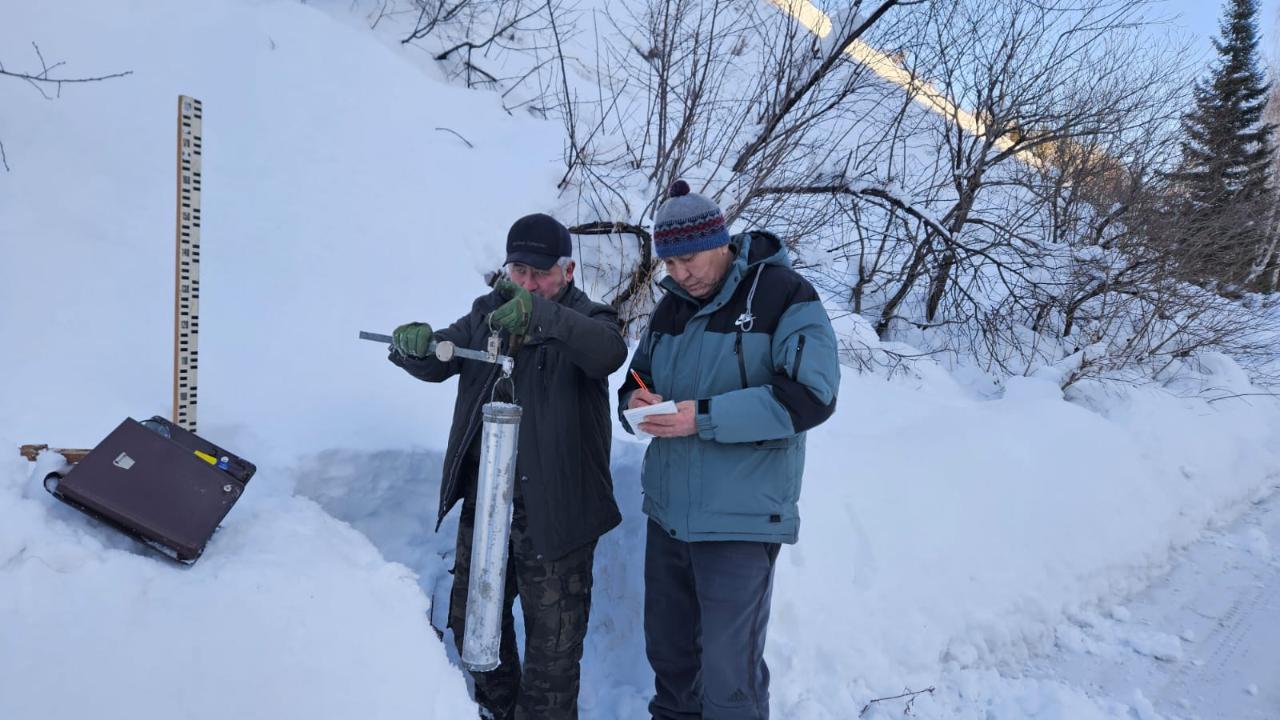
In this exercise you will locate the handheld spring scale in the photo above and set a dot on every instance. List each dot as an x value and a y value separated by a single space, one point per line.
446 351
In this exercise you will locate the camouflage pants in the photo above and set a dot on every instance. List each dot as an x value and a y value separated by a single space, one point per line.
556 599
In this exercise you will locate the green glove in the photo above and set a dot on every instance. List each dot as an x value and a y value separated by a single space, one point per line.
412 339
514 314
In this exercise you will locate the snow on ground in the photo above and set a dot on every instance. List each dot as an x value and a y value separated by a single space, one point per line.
292 615
1201 642
947 540
331 205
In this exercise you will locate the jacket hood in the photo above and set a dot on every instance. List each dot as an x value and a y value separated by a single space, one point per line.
762 248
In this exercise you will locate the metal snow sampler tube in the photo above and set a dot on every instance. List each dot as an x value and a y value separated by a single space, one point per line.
482 638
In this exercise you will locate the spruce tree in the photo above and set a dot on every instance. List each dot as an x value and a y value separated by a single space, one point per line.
1226 173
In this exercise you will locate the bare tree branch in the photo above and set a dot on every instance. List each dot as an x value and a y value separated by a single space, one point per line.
39 79
788 104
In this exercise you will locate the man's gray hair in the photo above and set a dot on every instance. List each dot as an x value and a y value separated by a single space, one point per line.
562 262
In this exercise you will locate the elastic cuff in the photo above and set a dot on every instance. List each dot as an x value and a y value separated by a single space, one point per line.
706 428
623 403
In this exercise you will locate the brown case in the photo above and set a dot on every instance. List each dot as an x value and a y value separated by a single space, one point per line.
153 488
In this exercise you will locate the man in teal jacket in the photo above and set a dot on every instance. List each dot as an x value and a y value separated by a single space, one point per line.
743 345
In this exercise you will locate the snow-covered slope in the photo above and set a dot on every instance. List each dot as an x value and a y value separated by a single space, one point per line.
945 535
331 204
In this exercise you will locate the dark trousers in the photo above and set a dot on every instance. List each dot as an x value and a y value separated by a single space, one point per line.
556 599
706 612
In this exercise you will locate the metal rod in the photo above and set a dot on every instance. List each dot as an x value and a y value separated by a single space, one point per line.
446 351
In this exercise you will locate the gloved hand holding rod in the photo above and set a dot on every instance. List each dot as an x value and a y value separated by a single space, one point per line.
445 351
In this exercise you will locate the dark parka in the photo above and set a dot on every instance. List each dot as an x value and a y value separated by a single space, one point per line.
561 382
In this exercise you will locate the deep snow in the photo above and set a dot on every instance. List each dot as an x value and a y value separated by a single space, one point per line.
946 536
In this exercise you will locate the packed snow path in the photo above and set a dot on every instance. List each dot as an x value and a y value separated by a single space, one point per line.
1202 642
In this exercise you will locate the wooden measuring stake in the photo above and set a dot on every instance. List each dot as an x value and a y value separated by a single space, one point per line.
186 356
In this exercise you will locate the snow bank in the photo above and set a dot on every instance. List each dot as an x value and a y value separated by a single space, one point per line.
290 614
942 536
945 534
331 204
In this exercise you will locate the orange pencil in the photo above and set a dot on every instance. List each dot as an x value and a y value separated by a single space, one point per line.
643 387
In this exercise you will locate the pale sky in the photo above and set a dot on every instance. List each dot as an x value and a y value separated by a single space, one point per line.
1198 19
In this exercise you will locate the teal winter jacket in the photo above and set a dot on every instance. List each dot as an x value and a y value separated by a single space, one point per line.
760 360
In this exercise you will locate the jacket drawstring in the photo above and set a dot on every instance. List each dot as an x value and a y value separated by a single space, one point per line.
747 320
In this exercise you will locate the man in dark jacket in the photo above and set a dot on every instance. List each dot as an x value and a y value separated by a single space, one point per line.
563 491
743 344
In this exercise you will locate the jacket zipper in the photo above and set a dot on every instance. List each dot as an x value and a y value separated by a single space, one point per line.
742 363
795 369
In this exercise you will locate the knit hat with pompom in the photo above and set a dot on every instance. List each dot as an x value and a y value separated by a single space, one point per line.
687 223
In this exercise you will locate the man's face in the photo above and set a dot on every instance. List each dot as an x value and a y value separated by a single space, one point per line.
700 273
543 283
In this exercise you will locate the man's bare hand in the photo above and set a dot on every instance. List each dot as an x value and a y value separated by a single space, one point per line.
642 397
680 423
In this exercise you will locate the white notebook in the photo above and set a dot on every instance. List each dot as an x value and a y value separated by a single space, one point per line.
635 416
